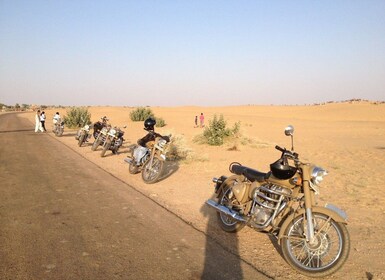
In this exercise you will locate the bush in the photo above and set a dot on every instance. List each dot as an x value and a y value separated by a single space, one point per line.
160 122
77 117
216 133
177 149
141 114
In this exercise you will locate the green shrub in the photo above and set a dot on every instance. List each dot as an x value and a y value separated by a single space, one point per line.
177 149
160 122
216 133
77 117
141 114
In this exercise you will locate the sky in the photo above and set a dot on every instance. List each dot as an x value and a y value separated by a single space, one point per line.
202 53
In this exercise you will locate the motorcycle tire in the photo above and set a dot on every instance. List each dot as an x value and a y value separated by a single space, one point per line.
226 222
59 132
328 253
151 174
133 169
96 144
115 150
82 139
106 147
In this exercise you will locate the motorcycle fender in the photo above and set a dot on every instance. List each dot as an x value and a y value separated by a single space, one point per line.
323 210
226 182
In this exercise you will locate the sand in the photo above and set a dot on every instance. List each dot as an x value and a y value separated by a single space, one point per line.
347 139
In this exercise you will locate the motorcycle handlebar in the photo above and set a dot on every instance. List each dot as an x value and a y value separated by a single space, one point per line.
280 149
287 153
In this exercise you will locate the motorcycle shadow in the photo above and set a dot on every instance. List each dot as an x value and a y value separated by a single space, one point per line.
69 134
170 167
278 248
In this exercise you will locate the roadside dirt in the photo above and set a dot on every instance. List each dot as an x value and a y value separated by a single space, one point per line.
346 139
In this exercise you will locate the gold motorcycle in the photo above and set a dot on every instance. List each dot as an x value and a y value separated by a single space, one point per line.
282 202
149 158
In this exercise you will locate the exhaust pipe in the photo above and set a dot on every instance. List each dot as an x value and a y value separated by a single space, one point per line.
128 160
225 210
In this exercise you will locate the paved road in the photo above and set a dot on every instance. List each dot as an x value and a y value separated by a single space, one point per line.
62 217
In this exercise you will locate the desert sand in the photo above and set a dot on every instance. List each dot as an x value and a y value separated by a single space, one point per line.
347 139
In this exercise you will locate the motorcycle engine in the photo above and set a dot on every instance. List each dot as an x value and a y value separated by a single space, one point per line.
267 199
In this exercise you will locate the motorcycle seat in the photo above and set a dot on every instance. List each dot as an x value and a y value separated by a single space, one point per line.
249 173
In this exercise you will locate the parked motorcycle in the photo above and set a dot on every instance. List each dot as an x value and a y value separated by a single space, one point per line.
149 159
101 138
83 134
58 128
98 126
113 140
314 239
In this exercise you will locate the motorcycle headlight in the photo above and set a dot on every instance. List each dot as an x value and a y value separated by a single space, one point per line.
317 175
87 127
112 131
162 142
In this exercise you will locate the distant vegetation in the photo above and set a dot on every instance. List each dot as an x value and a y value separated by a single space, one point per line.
77 117
217 132
142 113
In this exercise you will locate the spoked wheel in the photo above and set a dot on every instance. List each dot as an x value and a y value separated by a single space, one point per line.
226 222
82 138
150 174
133 169
96 144
322 256
59 131
106 147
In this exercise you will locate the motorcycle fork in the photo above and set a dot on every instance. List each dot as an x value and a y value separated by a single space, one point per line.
151 158
309 202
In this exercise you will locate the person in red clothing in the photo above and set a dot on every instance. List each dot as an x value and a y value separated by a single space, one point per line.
202 120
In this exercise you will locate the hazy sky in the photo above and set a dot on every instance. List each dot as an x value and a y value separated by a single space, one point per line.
166 53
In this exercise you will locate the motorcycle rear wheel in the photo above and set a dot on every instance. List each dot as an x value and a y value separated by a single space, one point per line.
226 222
150 174
81 139
328 253
106 147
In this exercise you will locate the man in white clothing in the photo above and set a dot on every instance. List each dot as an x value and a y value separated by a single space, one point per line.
38 122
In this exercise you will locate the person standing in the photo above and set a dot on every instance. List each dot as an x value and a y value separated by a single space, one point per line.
196 121
202 120
42 120
56 120
37 122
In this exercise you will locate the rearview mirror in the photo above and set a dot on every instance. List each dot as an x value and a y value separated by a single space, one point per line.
289 130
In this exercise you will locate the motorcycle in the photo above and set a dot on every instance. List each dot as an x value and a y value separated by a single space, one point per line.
58 128
83 134
101 137
98 126
113 140
150 159
314 239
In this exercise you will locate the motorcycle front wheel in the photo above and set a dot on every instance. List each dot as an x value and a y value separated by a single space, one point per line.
106 147
59 132
82 138
325 254
96 144
133 169
150 174
226 222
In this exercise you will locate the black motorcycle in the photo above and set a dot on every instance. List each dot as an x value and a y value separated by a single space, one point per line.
113 140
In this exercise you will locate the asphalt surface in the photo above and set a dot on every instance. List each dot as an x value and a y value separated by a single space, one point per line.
62 217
